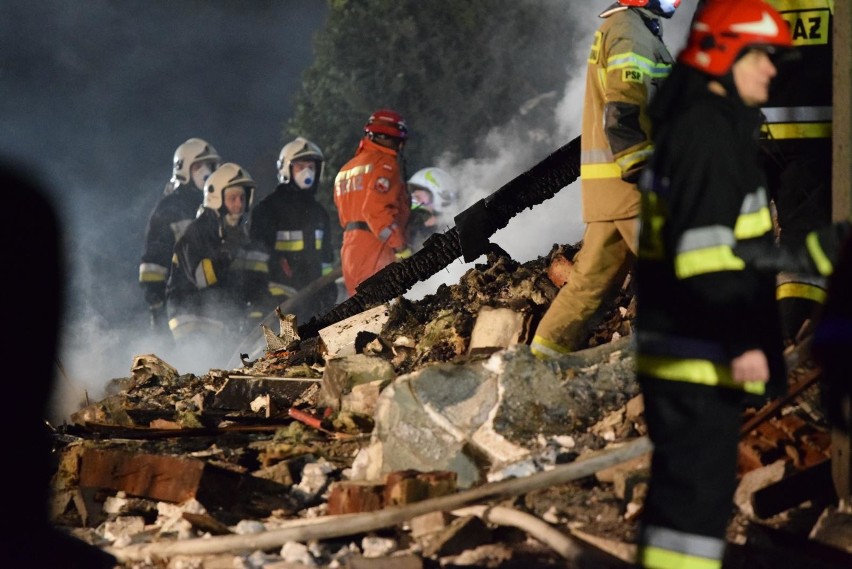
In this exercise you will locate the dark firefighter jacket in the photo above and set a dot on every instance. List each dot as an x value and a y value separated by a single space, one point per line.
799 109
295 229
216 278
628 61
168 220
798 144
707 254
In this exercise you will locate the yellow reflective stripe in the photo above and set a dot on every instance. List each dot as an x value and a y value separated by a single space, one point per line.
800 290
754 224
208 272
791 5
600 171
151 278
707 260
785 131
702 372
821 260
632 60
627 161
290 245
244 264
657 558
543 348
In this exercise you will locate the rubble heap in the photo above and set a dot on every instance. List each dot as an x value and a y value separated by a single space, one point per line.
421 433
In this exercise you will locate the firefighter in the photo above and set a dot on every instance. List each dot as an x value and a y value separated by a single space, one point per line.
194 161
433 192
627 63
294 227
797 147
372 201
219 280
707 329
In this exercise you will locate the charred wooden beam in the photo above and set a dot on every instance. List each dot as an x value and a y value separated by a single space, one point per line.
470 236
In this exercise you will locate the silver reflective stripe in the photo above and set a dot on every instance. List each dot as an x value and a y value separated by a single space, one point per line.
754 201
703 237
385 233
295 235
797 114
686 543
598 156
802 278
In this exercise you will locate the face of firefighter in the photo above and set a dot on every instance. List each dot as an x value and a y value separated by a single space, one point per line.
234 199
421 197
304 173
753 73
200 171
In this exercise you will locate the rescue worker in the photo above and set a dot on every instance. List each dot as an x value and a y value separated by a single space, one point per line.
797 147
372 201
707 329
294 227
194 161
433 192
219 280
627 63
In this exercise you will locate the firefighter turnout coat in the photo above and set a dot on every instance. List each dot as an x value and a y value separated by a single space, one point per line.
295 229
373 206
706 295
168 220
798 144
627 62
219 280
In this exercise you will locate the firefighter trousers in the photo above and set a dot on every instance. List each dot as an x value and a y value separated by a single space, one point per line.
600 267
695 432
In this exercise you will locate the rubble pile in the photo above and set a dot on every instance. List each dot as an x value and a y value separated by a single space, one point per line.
416 434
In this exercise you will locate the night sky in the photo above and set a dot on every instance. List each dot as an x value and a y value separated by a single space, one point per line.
95 95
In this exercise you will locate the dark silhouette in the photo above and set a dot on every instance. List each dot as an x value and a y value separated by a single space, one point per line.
27 537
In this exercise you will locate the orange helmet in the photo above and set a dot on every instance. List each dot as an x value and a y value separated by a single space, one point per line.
387 122
723 29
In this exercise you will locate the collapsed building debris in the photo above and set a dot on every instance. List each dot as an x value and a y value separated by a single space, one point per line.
419 433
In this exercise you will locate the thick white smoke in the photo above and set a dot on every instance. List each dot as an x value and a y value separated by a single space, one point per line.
512 149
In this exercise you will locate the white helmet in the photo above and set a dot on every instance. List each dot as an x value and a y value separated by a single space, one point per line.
192 151
443 186
226 176
298 149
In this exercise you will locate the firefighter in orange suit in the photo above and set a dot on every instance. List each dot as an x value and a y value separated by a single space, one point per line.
796 139
628 61
372 200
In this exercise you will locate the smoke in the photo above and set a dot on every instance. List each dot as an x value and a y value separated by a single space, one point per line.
542 125
96 96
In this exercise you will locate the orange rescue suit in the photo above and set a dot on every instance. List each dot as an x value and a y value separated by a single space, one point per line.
373 205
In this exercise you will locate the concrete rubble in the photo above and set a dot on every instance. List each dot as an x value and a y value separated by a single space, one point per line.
417 434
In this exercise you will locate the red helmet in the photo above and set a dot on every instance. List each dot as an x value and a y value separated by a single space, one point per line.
387 122
724 28
643 3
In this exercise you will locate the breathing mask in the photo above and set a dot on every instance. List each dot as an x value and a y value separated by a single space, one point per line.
305 178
